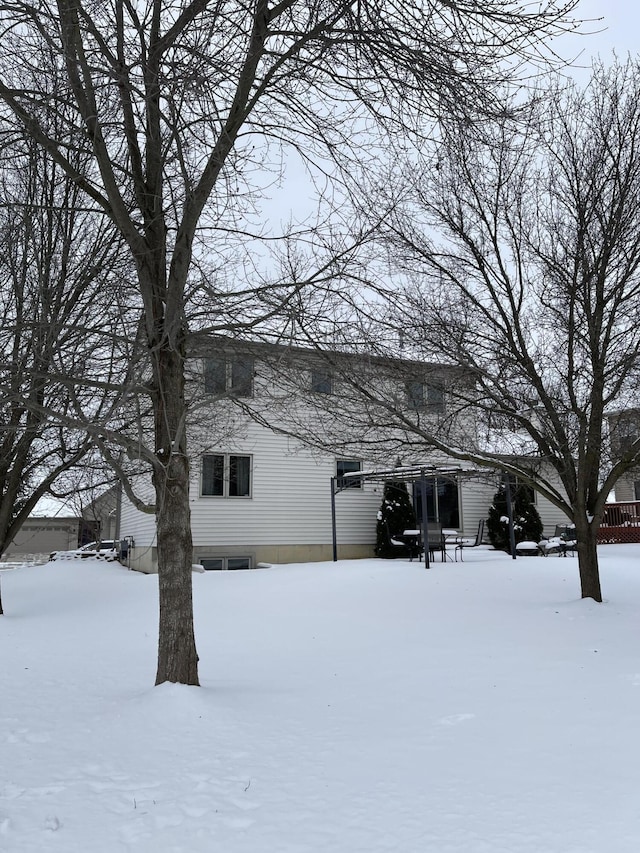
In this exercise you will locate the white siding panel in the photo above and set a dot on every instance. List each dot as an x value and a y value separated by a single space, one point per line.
550 515
133 523
624 489
290 502
476 498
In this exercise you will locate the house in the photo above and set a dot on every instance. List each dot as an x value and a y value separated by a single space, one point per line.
275 428
42 535
621 519
100 516
624 429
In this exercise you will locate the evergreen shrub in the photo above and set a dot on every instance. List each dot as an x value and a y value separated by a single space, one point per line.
396 514
527 525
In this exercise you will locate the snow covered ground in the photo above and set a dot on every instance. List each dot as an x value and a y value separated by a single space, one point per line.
359 707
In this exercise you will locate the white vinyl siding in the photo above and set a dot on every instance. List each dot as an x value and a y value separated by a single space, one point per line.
140 526
291 501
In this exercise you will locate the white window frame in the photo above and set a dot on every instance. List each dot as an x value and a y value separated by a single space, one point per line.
226 475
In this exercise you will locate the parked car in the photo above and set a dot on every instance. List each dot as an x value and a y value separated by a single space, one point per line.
107 549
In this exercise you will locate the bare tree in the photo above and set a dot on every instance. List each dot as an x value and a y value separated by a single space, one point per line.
55 267
182 104
520 264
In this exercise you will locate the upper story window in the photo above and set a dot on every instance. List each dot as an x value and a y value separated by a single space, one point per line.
625 431
348 466
226 475
415 394
321 381
424 396
231 375
215 375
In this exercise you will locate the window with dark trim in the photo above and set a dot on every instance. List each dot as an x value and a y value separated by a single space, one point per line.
241 378
415 394
321 382
424 396
348 466
625 431
435 398
215 375
229 375
239 476
226 475
442 501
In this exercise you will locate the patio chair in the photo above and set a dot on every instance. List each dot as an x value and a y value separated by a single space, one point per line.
470 543
567 536
395 541
436 540
550 546
408 542
563 540
413 543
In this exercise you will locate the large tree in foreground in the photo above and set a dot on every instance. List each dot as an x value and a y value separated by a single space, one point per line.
181 105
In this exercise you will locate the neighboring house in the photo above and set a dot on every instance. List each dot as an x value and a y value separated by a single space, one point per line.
624 428
259 494
44 535
101 515
621 519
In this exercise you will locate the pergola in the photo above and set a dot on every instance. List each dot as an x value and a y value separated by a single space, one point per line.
417 474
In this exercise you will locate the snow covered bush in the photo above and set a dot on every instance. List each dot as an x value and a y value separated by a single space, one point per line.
526 520
396 514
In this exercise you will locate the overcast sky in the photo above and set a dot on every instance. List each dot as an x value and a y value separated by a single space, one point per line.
620 27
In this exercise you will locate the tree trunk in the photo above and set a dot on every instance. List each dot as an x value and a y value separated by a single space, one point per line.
177 656
586 534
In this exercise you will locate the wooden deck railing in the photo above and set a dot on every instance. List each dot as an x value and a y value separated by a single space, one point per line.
620 523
